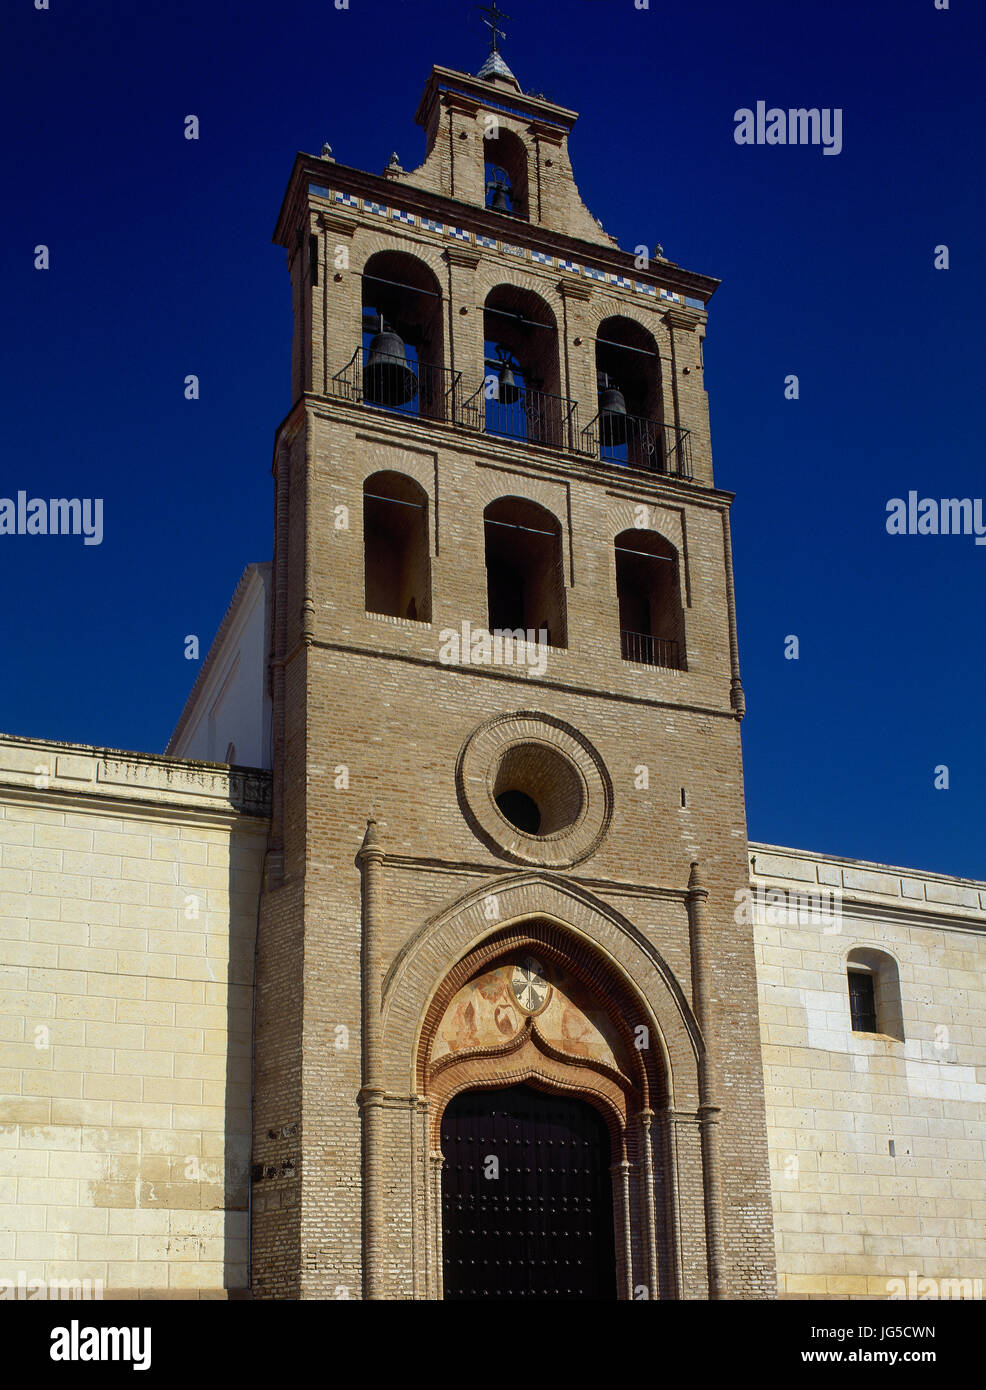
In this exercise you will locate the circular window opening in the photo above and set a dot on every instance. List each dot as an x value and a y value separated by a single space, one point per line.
537 789
520 810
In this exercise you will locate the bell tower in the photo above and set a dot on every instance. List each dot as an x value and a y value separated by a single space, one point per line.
498 933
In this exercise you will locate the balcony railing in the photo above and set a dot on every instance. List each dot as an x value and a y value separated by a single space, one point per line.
436 389
642 444
650 651
536 416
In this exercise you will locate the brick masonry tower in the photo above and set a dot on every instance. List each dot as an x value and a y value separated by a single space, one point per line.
506 1035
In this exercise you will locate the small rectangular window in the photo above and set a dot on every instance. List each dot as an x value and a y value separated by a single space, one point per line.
313 257
862 1002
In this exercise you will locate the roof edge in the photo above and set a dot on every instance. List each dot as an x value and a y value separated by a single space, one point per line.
257 568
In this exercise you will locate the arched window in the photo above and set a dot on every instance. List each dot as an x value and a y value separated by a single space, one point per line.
397 566
629 428
505 163
652 621
521 376
524 569
874 993
402 348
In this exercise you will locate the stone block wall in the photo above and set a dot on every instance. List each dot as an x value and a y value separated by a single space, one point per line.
877 1143
128 906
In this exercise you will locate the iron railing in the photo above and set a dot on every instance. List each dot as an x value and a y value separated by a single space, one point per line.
436 396
642 444
536 417
650 651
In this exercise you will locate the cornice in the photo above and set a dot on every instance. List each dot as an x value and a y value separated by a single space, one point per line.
483 93
427 203
90 778
140 808
430 863
560 465
906 912
504 673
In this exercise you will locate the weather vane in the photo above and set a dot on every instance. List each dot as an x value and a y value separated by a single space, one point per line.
494 16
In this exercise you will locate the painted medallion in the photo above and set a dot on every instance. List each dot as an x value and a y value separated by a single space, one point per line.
529 985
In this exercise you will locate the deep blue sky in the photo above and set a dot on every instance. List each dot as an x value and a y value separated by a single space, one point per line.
162 265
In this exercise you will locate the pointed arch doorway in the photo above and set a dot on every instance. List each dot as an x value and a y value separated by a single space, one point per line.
527 1201
614 1029
539 1101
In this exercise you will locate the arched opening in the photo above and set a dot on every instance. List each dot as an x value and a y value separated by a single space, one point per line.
521 375
396 561
629 428
524 570
648 586
505 167
539 1060
527 1199
875 1004
402 348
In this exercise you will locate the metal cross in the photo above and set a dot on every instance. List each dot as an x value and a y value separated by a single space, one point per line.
491 23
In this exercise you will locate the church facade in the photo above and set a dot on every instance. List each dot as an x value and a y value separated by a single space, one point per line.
432 960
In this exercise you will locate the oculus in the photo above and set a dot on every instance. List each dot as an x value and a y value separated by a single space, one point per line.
534 790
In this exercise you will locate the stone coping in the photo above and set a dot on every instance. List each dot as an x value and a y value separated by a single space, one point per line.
859 880
47 769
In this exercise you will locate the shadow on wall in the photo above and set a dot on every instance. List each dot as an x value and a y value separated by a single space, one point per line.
234 1160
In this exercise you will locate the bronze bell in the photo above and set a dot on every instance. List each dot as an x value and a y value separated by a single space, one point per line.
502 192
508 392
388 378
612 412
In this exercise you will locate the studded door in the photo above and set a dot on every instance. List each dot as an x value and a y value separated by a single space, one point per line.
527 1205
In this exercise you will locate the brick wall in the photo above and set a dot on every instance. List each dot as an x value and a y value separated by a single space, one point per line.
370 723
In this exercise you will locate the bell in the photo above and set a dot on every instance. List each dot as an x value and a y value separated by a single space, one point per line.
508 391
612 413
500 202
387 377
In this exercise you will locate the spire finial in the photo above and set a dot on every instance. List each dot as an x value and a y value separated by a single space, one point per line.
372 843
495 67
492 23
